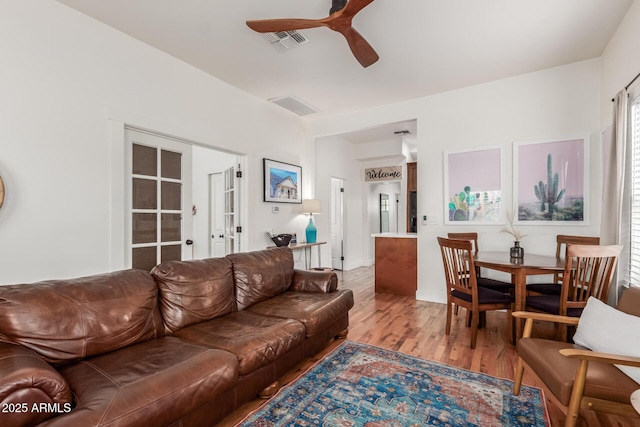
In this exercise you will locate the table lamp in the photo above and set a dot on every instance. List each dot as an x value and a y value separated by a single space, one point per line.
311 206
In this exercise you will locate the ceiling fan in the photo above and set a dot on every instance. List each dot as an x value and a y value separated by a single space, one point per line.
339 19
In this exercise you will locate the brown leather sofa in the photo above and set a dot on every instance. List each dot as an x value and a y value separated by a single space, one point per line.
183 345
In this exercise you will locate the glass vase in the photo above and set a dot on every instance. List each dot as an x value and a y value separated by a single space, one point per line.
516 251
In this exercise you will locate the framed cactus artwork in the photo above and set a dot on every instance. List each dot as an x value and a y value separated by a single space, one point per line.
473 181
551 181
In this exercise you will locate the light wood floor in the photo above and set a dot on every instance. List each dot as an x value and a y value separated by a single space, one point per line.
417 328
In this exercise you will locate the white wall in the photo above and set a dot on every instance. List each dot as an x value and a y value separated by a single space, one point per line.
621 60
64 76
555 103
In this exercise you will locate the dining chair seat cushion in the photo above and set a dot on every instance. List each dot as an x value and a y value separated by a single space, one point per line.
485 296
545 288
550 304
604 329
557 372
495 285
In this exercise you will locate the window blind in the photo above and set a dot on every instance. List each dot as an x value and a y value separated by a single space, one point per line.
634 255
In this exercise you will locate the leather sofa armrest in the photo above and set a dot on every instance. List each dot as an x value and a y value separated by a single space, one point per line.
314 281
27 380
594 356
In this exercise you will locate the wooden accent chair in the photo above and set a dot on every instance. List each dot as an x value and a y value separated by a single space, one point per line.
574 376
562 242
484 282
463 289
588 273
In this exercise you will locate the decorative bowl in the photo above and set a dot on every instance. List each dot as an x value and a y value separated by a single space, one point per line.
282 239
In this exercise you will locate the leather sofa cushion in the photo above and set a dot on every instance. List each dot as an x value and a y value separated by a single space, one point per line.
149 384
604 381
256 340
194 291
261 275
315 310
67 320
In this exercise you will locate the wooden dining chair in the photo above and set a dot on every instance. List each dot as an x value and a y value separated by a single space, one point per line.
562 242
588 272
463 289
483 282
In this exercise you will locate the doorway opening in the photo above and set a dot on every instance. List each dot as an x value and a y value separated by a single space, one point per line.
171 200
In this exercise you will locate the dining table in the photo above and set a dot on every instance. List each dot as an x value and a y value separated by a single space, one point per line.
519 268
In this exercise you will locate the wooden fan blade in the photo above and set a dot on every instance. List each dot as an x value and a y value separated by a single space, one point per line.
286 24
362 50
355 6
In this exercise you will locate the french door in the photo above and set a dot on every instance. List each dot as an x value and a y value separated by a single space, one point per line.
231 211
158 201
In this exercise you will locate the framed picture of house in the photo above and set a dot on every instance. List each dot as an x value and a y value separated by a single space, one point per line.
282 182
473 182
551 184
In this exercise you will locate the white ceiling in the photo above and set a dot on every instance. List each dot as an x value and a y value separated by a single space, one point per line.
425 46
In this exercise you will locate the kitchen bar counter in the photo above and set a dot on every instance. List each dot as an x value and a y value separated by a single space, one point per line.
396 263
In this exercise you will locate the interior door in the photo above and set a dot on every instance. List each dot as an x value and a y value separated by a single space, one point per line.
384 213
158 200
217 215
337 221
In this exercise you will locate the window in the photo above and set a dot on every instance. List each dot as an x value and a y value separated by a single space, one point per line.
634 255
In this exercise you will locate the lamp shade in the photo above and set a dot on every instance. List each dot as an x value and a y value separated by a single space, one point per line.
311 206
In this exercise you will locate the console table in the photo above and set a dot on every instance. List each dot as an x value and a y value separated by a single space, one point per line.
306 247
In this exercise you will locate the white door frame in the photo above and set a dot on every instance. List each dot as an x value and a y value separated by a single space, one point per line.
337 223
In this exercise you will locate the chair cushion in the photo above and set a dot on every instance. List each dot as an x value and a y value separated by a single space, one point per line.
256 340
550 304
630 301
148 384
604 381
545 288
604 329
194 291
315 310
485 296
495 285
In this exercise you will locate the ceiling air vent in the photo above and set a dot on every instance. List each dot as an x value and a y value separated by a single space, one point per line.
294 104
283 41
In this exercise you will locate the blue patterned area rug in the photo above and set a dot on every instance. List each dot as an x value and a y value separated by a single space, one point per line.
358 385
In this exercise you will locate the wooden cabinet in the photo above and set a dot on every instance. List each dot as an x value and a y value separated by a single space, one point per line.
396 265
412 197
412 176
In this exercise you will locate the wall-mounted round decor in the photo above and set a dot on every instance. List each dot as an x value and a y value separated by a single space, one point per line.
1 192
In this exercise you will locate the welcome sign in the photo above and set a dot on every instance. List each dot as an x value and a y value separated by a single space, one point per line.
388 173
